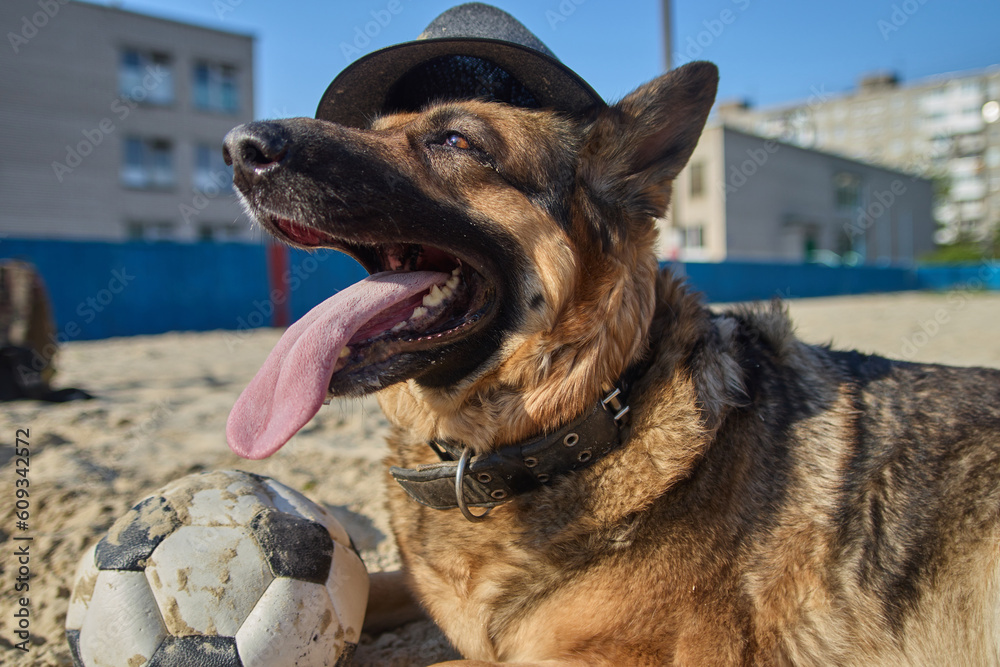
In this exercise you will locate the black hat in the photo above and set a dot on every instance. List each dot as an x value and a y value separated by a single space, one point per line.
473 51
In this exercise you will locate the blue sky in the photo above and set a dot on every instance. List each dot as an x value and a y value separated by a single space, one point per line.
768 51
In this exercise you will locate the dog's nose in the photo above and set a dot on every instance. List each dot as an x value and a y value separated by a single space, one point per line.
254 150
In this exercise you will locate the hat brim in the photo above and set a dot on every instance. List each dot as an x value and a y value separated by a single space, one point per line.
358 93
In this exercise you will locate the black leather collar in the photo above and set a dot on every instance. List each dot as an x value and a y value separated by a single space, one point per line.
496 477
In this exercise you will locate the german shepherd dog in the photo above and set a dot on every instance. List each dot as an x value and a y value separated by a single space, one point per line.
664 485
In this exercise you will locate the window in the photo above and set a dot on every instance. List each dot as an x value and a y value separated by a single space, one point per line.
211 175
992 157
697 179
215 87
694 237
208 232
150 231
148 164
146 77
810 246
971 87
847 191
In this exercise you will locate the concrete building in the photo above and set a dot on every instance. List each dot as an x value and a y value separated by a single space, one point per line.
112 124
946 127
748 198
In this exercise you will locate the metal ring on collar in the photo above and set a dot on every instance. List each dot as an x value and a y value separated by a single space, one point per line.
463 461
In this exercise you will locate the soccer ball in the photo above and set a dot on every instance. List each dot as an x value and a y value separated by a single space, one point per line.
225 569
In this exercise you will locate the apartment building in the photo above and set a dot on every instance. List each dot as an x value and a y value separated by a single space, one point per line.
946 127
112 124
749 198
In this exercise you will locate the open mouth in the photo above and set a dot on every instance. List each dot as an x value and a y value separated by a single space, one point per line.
395 324
448 309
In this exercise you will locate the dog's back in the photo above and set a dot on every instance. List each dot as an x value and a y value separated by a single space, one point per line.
850 501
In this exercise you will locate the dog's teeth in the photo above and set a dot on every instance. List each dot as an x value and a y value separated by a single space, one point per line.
345 352
452 282
418 312
456 271
399 327
434 298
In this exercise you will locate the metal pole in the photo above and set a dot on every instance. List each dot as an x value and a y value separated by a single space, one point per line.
667 39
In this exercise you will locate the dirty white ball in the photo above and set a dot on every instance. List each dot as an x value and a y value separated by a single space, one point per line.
222 569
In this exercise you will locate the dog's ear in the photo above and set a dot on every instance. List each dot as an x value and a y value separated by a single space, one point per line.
635 148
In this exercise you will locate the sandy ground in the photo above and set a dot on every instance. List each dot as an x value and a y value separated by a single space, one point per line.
161 410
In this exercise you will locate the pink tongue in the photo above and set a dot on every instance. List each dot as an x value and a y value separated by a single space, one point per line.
292 384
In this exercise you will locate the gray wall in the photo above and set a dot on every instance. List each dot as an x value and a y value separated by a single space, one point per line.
788 193
60 83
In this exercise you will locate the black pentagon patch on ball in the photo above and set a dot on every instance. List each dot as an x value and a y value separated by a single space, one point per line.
73 639
132 538
261 479
203 651
294 547
347 656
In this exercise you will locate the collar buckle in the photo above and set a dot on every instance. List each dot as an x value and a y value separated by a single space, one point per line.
620 410
463 461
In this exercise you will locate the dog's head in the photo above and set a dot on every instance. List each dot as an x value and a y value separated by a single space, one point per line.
511 249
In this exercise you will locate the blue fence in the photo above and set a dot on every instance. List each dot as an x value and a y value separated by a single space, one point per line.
749 281
99 290
985 276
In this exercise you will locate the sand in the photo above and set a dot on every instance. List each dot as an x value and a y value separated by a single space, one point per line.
160 413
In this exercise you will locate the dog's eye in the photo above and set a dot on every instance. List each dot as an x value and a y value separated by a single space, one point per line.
456 140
